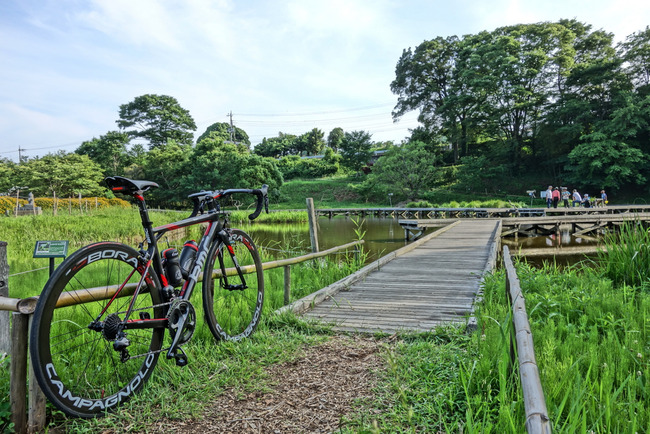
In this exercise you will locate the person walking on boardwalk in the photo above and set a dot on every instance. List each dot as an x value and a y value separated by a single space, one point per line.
556 197
577 199
603 197
549 196
565 196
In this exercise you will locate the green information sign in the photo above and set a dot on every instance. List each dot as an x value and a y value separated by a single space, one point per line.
51 249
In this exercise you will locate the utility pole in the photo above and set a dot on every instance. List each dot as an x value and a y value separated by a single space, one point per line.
231 130
20 155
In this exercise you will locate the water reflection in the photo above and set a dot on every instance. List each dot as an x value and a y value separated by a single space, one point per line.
381 235
563 249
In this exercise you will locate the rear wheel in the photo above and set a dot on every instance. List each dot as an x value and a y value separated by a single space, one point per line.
76 329
232 305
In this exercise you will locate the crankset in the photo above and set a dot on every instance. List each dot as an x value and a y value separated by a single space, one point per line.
181 324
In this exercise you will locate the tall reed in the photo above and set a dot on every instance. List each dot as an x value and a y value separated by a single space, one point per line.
626 259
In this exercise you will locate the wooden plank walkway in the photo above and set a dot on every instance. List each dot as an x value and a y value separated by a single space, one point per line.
433 284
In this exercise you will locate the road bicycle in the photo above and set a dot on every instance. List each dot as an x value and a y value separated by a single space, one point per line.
100 322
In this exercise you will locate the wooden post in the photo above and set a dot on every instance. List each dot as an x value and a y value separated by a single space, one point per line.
287 284
313 225
5 327
537 420
18 383
54 204
36 413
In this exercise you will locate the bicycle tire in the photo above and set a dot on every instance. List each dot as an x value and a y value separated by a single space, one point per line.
76 366
233 314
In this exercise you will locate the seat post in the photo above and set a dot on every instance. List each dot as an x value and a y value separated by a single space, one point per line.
147 224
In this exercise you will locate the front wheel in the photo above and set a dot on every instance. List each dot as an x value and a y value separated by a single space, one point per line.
77 327
232 301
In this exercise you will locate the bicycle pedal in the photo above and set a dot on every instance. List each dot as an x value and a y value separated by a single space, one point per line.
179 357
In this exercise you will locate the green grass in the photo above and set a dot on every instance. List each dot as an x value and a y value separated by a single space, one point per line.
335 192
326 193
591 330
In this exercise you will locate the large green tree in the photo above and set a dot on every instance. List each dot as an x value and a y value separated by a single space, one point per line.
218 164
635 51
8 175
409 170
276 147
311 142
109 151
157 119
356 149
64 174
335 137
226 132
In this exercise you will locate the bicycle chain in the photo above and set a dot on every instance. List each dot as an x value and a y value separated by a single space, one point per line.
147 308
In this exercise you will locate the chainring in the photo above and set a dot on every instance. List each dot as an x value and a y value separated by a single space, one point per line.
178 310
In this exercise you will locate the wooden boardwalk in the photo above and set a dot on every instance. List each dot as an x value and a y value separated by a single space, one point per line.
433 284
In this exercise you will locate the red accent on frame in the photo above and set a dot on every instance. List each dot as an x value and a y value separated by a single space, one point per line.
163 278
170 226
207 229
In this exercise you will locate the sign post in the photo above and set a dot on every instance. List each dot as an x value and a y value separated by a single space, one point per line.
51 249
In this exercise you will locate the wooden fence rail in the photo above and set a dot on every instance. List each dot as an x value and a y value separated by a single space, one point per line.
537 421
31 418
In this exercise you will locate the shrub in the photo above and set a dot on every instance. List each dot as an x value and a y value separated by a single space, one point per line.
8 204
419 204
294 167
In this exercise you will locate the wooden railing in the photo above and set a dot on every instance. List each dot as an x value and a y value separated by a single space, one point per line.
30 416
537 421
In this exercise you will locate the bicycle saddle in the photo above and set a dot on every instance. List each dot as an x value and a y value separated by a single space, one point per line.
119 184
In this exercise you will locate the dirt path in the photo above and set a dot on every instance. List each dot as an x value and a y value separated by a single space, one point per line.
309 395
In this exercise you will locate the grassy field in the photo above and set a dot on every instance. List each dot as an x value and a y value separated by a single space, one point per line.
592 345
336 192
591 329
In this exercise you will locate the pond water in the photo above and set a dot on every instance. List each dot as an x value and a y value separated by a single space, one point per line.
562 240
383 235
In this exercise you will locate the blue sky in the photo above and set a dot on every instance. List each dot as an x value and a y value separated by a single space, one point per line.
279 65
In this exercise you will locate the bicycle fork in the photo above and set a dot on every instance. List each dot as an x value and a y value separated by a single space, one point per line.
223 236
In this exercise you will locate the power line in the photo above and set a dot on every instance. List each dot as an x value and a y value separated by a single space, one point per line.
316 113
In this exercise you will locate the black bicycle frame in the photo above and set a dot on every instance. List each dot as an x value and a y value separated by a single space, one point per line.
216 222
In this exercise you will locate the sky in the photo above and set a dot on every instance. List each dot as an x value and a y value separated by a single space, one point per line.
286 66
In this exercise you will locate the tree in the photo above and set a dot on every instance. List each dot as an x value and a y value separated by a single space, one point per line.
635 51
276 147
334 138
222 129
431 79
64 174
109 151
8 175
157 118
166 165
410 169
602 162
312 142
356 149
217 164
